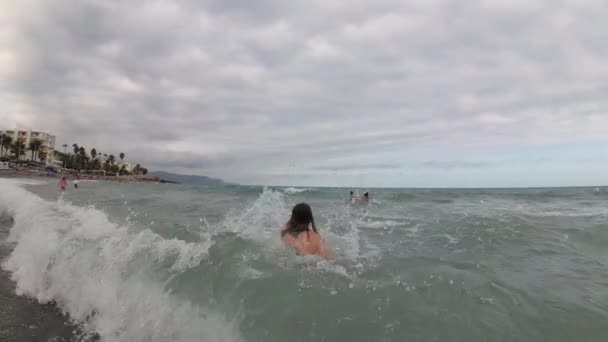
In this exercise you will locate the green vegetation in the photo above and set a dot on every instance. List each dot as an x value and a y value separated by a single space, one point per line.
96 161
42 153
18 148
77 158
6 143
34 146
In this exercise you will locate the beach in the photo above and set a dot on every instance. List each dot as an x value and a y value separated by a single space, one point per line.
72 175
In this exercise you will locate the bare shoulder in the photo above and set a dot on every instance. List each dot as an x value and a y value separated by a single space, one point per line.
314 236
288 239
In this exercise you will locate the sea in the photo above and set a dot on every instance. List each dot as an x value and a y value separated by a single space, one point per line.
171 262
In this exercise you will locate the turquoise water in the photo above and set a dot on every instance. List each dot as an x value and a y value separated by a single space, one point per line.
161 262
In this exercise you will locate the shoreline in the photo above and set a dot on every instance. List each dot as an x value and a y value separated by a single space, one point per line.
84 177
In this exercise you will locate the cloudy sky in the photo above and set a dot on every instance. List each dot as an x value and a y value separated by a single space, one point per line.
331 93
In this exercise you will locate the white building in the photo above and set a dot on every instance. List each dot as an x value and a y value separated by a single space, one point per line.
48 142
128 165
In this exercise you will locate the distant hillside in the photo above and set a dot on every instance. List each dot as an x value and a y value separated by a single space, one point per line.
187 179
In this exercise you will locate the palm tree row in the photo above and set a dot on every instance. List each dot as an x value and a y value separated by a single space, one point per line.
35 146
6 143
80 160
17 148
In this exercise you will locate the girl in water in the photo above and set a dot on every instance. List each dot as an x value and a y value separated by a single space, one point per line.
63 184
297 233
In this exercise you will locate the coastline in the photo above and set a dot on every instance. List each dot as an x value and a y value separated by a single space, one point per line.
84 176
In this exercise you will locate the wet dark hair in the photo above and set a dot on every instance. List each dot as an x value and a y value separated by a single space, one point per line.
301 218
366 194
351 192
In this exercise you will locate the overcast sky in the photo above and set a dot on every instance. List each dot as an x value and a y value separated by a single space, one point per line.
331 93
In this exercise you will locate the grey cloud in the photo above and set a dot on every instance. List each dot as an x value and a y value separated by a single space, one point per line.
257 11
162 159
235 86
161 136
449 165
359 166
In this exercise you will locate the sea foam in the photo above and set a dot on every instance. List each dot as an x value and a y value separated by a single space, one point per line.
104 275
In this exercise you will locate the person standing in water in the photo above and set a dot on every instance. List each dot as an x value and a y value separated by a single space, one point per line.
299 235
63 183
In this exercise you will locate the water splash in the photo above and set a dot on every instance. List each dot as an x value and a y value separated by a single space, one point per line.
107 277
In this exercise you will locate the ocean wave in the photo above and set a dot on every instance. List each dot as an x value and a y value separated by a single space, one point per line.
292 191
381 224
117 280
126 274
107 277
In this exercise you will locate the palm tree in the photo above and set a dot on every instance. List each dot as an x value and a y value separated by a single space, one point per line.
42 155
137 169
34 146
18 148
114 168
82 153
5 143
109 162
65 155
123 169
76 149
122 156
93 153
95 164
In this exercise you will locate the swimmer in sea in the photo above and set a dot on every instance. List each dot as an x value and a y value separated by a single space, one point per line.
63 183
352 197
299 235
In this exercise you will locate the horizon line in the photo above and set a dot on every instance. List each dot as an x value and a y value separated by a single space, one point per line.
425 188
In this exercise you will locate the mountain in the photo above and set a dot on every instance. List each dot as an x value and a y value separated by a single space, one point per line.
187 179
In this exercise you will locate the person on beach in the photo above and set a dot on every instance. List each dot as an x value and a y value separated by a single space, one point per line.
352 197
76 183
365 197
63 183
299 235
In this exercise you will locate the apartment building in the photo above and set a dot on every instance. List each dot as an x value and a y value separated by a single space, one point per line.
48 142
